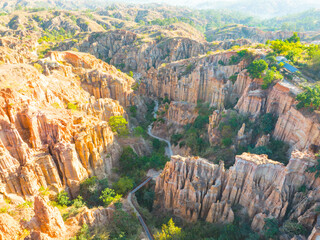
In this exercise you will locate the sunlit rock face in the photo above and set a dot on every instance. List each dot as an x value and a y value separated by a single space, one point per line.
193 80
193 188
54 128
136 52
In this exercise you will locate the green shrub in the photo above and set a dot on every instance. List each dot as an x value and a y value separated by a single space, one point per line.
310 98
275 149
302 188
166 100
271 228
63 199
227 131
145 198
83 234
124 226
243 53
226 142
38 67
108 196
130 74
72 106
315 169
175 138
270 77
294 38
134 167
78 202
133 110
43 191
233 78
118 124
234 60
169 231
201 121
90 190
257 67
261 150
123 185
139 131
189 69
221 63
209 53
268 122
294 228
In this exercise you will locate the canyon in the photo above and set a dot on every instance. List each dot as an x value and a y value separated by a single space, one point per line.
194 188
55 130
44 144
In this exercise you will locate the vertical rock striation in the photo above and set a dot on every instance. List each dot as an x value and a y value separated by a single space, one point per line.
54 131
193 188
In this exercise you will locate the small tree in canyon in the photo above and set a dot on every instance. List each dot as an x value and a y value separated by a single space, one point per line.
118 124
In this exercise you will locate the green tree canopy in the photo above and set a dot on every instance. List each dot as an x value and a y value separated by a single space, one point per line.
123 185
257 67
271 76
108 196
118 124
271 228
169 231
63 198
294 38
310 98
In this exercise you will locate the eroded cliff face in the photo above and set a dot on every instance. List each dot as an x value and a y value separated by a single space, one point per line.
297 127
194 188
252 33
47 222
53 132
180 113
195 79
134 51
300 130
97 77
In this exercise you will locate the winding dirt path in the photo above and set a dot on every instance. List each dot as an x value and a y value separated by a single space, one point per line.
169 153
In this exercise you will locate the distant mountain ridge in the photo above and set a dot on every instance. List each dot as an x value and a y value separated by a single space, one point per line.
261 8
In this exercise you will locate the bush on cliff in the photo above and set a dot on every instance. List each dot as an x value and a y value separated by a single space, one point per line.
310 98
276 150
293 228
268 122
315 169
271 228
108 196
257 67
118 124
271 76
90 190
63 198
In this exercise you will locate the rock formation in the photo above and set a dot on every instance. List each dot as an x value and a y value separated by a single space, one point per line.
194 188
214 121
54 133
47 221
9 228
254 34
181 113
130 51
201 79
298 129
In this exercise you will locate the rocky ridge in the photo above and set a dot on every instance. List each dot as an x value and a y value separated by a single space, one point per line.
44 144
194 188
